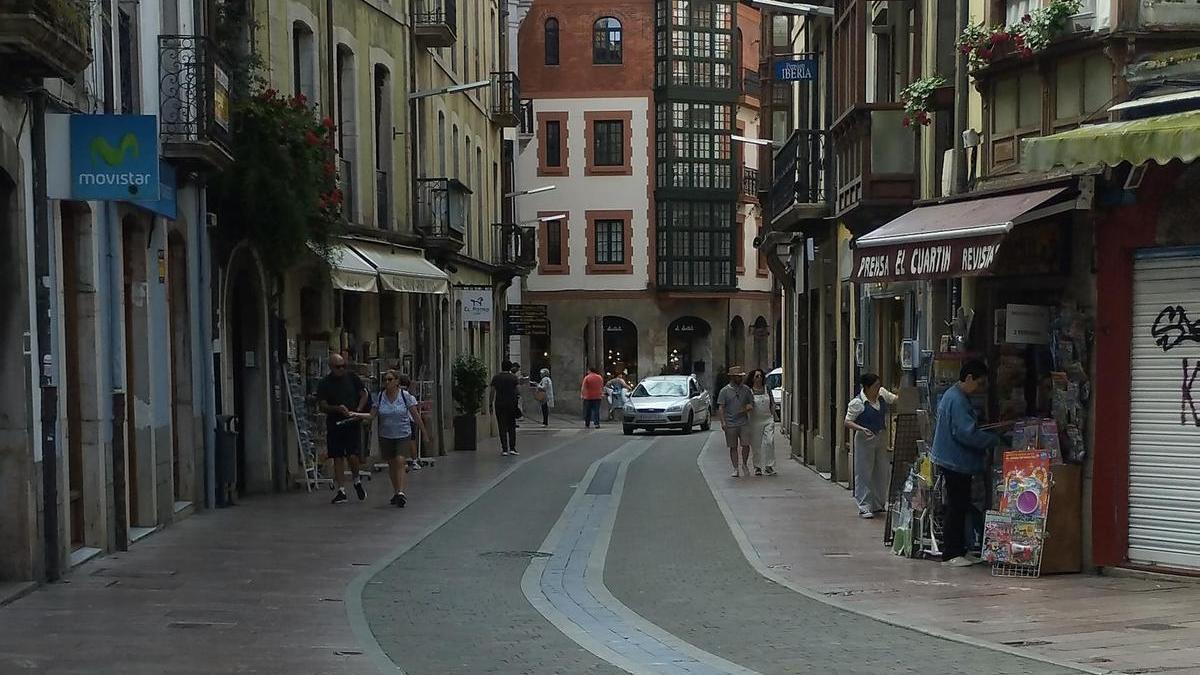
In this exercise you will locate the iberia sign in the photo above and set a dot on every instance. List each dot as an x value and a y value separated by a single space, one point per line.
926 260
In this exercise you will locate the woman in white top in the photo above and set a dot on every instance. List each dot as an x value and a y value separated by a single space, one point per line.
866 415
399 419
545 395
762 425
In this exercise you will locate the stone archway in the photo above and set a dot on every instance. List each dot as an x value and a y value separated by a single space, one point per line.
760 333
620 347
737 343
246 364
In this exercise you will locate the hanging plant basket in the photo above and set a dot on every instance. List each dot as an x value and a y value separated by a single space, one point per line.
918 100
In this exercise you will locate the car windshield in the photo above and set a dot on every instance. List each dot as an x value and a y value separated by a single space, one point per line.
660 388
774 380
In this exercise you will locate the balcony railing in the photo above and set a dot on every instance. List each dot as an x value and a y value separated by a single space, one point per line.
45 38
526 128
749 182
383 203
506 99
751 83
435 22
515 246
799 174
194 100
442 210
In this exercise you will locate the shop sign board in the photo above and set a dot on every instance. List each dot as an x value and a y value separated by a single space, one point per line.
796 70
476 305
527 320
925 260
1027 325
114 157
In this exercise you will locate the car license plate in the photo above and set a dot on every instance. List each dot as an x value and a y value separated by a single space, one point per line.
652 418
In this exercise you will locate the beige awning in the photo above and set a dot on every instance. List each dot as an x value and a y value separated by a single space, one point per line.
351 272
402 269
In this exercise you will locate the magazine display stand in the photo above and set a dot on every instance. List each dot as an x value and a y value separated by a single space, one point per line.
1014 535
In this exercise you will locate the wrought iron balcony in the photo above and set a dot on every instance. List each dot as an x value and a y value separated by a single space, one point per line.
515 247
527 126
751 83
383 201
506 99
194 103
442 212
45 38
798 189
435 22
749 182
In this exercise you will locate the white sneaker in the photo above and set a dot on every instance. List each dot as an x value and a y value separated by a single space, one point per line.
504 453
960 561
416 466
735 474
866 515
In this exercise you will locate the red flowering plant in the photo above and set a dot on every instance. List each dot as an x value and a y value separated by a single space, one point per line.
282 192
915 98
1033 33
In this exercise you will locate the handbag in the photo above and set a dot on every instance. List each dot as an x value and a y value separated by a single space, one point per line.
539 395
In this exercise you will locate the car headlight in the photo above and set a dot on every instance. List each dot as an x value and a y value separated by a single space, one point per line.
675 408
629 409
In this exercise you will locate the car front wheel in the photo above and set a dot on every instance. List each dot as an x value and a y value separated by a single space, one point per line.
690 424
707 424
627 429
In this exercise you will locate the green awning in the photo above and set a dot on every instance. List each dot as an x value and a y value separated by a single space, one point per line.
1154 139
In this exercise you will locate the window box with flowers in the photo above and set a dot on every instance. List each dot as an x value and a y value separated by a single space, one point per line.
985 44
282 193
919 98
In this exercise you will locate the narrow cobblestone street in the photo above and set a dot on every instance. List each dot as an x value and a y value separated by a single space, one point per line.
592 552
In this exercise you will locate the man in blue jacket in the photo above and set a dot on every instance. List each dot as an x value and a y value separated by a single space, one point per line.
960 449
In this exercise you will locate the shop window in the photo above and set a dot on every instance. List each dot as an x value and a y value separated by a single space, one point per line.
606 41
551 42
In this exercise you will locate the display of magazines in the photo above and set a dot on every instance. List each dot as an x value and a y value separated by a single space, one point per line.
1014 534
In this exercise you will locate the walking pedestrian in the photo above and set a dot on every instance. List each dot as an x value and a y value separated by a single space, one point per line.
544 394
735 401
399 419
762 424
960 450
592 392
866 416
343 398
505 405
618 390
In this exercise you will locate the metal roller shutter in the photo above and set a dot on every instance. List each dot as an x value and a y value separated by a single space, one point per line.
1164 448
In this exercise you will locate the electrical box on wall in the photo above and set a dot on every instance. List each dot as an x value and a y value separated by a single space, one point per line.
910 354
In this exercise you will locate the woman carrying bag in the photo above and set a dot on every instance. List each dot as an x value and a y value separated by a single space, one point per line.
544 395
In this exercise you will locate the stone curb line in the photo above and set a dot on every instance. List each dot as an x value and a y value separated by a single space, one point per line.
353 595
752 557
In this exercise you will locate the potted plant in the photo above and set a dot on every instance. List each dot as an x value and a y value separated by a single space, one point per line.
468 376
983 44
917 98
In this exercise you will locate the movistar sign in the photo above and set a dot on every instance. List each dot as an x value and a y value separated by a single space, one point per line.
114 157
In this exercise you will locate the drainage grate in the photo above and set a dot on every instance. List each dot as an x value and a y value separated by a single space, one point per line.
1027 643
515 554
1156 626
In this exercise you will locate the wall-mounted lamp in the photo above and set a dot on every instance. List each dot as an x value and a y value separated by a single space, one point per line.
971 138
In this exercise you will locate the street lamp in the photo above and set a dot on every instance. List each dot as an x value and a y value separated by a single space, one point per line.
531 191
452 89
766 142
797 8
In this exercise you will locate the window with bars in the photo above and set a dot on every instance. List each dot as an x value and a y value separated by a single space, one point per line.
553 143
610 242
608 143
606 41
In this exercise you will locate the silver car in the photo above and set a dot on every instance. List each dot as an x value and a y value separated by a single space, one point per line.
668 402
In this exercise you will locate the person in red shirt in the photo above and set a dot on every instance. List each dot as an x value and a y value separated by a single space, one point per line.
592 392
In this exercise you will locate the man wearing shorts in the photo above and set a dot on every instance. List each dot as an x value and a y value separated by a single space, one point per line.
343 399
734 403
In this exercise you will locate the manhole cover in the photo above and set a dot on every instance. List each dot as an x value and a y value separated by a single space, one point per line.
515 554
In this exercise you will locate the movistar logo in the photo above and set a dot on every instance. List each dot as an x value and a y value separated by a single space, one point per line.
103 151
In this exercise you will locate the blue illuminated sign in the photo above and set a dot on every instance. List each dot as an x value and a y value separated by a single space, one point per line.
796 70
114 157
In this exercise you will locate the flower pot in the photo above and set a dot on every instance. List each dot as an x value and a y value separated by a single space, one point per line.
942 98
465 433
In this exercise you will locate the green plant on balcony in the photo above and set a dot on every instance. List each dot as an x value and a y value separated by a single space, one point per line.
916 98
282 191
982 44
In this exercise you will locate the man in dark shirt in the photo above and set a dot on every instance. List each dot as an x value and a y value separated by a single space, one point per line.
504 405
343 398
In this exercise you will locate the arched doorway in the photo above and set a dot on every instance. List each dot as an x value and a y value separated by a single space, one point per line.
183 444
737 343
620 347
689 349
760 333
139 448
247 362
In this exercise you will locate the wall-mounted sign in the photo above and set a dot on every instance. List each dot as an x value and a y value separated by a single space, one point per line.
926 260
221 98
114 157
476 305
796 70
165 205
526 320
1027 325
